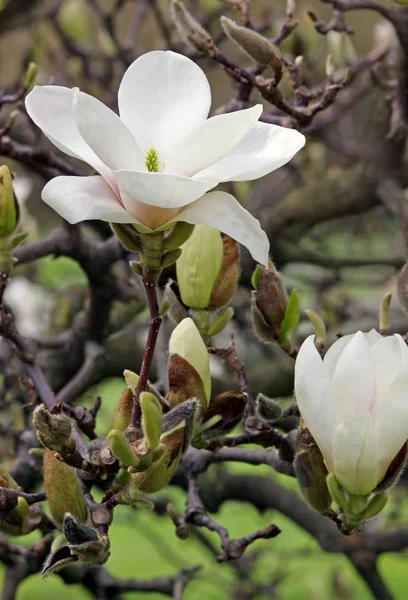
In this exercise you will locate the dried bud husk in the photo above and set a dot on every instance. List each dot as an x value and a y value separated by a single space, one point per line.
269 409
84 545
152 419
9 211
123 412
175 307
159 474
190 30
230 406
402 287
311 473
187 342
226 283
121 448
254 44
199 266
54 430
184 383
394 471
64 492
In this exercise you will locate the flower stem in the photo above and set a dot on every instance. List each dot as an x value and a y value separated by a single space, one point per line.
149 277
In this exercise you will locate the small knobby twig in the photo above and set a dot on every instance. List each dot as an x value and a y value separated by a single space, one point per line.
150 277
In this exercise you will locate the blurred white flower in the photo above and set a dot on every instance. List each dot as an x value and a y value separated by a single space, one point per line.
31 305
355 405
160 157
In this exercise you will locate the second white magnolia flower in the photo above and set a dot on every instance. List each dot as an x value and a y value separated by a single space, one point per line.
355 404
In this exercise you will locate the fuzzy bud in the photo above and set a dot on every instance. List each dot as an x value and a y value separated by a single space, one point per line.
64 493
199 266
311 473
9 212
187 342
226 283
190 30
269 409
269 303
123 412
152 419
402 287
254 44
53 430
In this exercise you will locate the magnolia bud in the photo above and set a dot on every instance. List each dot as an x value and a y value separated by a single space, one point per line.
384 314
161 471
152 419
187 342
178 235
9 212
53 430
226 283
269 409
64 493
311 473
199 266
230 407
121 448
184 383
123 412
30 76
190 30
220 321
254 44
318 325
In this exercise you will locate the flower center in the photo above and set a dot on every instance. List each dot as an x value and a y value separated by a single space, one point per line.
152 161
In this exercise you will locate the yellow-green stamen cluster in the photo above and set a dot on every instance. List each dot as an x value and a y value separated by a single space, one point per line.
152 161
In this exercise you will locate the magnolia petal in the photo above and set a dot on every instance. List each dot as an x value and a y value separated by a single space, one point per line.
162 97
354 447
106 134
391 422
333 354
263 150
211 141
313 396
388 353
223 212
354 380
163 190
83 199
50 107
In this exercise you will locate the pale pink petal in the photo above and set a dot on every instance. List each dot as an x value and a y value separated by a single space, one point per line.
50 107
354 380
162 97
314 397
263 150
83 199
106 134
211 141
223 212
355 464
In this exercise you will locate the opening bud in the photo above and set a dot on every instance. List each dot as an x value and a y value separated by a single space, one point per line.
226 283
187 342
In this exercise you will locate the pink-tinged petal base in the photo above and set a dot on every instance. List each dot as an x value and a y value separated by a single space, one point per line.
84 198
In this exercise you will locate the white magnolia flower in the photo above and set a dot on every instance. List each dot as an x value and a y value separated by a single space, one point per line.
355 404
164 100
